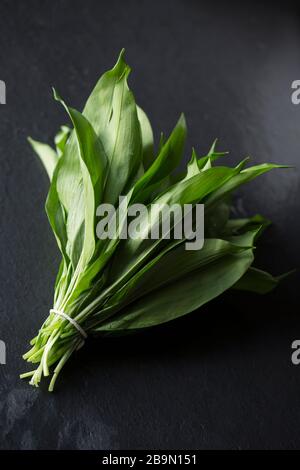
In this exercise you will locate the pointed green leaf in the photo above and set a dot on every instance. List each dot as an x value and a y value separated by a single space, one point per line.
61 139
47 155
147 138
256 280
182 296
112 112
92 160
167 160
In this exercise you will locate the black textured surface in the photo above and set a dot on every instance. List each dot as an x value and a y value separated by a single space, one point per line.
221 377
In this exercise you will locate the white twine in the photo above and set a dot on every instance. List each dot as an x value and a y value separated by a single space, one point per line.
71 320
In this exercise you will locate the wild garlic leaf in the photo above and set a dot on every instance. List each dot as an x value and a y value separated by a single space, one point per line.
256 280
217 218
240 226
61 138
47 155
163 269
206 162
192 166
165 163
243 177
111 110
147 138
93 170
132 252
201 164
56 214
182 296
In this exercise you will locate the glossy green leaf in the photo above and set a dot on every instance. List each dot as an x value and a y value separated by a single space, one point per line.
192 167
171 264
92 160
243 177
134 252
112 112
61 139
147 138
182 296
165 163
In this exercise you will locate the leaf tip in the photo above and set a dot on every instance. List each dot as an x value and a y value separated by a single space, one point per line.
182 121
121 67
55 94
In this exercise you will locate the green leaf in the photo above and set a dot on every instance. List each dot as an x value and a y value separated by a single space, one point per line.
192 167
256 280
167 160
61 139
133 252
243 177
112 112
47 155
206 162
217 219
92 161
183 296
147 138
236 226
56 214
164 268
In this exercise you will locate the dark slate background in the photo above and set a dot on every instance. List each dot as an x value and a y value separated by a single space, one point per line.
221 377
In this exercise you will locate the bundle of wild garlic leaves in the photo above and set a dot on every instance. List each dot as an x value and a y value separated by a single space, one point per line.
116 285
